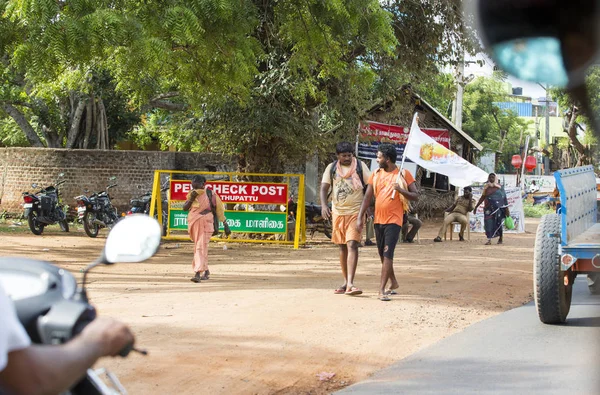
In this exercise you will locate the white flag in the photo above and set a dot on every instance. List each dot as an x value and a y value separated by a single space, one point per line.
431 155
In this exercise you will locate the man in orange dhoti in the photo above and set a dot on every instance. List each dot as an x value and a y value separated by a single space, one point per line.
200 224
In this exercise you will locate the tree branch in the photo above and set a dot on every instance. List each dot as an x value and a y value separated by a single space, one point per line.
25 126
168 105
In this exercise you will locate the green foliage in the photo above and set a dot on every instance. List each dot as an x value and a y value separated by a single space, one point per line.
271 81
565 102
497 129
11 135
537 211
440 93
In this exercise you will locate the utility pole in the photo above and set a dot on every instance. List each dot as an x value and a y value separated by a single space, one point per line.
460 75
546 158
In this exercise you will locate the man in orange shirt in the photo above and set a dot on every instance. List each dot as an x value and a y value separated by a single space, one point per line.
392 192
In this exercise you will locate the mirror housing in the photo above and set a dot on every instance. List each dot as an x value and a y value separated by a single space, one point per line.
547 41
134 238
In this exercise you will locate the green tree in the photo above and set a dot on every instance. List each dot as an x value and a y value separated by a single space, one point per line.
576 122
268 80
499 130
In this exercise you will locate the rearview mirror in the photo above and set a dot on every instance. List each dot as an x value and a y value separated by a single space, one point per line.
552 42
135 238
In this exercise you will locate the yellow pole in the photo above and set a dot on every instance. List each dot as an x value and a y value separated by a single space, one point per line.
155 187
299 211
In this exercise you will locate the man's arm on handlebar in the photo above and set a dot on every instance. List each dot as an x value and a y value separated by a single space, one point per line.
46 369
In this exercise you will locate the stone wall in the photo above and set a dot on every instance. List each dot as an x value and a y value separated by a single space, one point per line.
91 169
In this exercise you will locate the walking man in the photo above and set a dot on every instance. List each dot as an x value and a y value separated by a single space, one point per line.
346 177
392 191
458 213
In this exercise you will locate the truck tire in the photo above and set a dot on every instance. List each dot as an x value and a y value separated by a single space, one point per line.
593 280
552 297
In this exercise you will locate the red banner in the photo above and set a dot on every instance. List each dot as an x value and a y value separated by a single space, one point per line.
384 133
237 192
381 132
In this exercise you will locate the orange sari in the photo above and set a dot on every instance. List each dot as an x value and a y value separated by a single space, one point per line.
200 229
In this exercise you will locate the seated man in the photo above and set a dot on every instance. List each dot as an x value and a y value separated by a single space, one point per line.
458 213
408 236
533 188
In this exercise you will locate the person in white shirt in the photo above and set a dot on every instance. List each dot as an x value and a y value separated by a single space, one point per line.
27 368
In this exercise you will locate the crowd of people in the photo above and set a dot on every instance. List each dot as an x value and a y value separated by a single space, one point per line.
381 199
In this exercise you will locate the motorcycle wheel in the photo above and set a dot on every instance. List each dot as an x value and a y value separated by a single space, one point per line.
64 225
91 229
36 227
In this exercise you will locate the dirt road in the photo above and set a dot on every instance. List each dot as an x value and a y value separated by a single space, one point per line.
267 322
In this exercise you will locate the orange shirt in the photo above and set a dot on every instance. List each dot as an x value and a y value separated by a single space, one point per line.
388 211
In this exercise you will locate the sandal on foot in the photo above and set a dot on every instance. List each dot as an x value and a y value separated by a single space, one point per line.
354 291
340 290
384 298
499 241
489 242
391 292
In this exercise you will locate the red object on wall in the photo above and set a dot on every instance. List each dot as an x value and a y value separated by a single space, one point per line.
516 161
530 163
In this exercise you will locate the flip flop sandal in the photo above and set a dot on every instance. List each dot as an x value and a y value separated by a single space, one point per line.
391 292
340 291
489 243
384 298
354 291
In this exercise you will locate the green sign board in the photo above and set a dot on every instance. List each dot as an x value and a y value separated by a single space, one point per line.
239 221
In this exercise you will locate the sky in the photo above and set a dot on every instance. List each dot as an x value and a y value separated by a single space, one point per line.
531 89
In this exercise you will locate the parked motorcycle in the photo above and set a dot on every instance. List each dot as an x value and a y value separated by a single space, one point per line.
44 208
314 221
53 310
141 205
97 211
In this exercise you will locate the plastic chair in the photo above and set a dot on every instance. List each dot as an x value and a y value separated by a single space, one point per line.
451 227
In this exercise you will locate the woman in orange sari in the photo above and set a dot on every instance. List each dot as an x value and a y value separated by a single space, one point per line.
200 224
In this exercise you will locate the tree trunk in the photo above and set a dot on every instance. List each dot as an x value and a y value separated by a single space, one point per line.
572 132
88 122
102 126
75 123
25 126
102 115
53 140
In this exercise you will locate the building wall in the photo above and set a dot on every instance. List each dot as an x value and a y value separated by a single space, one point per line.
91 169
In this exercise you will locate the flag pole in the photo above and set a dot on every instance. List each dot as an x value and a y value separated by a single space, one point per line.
415 119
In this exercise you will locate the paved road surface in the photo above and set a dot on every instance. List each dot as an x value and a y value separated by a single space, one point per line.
513 353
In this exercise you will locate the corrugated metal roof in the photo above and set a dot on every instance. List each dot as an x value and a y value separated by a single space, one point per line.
522 109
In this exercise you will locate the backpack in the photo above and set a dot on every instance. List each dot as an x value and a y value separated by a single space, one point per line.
359 171
213 208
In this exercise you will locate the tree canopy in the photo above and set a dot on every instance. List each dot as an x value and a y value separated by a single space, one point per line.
499 130
268 80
